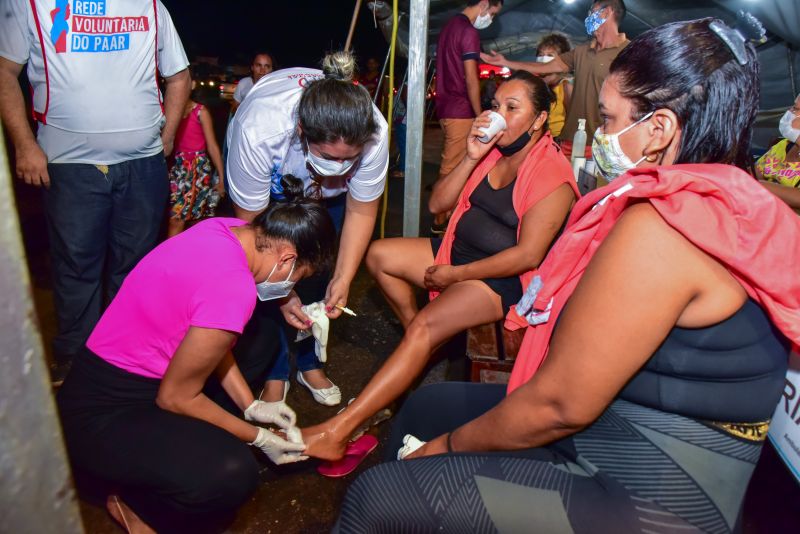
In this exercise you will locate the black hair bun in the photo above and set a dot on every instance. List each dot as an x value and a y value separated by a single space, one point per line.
293 189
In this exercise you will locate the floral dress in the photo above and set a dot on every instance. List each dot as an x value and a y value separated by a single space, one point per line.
775 168
193 185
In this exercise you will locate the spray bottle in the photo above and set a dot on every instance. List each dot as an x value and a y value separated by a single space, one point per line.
579 148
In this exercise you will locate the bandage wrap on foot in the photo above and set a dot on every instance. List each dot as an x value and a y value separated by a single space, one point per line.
319 329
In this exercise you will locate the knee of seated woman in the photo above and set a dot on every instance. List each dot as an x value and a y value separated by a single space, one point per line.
423 324
373 258
379 252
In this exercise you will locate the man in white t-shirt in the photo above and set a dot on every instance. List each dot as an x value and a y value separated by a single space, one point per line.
261 66
102 132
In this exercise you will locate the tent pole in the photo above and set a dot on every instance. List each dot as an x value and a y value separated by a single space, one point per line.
790 52
352 26
383 73
415 120
640 19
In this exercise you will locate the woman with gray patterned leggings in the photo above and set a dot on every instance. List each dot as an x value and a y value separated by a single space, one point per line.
641 397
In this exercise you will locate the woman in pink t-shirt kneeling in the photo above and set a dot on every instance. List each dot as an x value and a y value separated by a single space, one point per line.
139 410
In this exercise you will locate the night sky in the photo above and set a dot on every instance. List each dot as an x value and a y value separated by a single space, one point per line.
298 32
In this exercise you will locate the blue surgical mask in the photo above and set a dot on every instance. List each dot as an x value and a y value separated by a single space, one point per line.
593 21
275 290
328 167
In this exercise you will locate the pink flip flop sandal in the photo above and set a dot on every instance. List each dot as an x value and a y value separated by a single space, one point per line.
354 454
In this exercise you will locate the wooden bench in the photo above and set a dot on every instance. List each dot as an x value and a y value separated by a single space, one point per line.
492 350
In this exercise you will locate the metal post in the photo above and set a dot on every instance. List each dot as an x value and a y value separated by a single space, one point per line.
380 80
790 58
36 492
415 119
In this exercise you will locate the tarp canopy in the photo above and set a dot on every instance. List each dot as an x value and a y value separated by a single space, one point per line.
521 23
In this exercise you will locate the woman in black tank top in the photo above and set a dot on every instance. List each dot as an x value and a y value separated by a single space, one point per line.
490 244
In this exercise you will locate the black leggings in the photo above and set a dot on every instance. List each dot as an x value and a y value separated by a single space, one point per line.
178 473
635 469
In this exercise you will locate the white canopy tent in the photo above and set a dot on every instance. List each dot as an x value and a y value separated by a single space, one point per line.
521 23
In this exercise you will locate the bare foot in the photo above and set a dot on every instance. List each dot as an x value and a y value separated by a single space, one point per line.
316 379
126 517
273 390
322 442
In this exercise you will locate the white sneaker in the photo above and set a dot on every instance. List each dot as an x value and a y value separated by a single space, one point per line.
328 396
410 444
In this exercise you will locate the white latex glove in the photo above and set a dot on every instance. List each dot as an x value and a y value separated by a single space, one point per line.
278 449
276 413
319 328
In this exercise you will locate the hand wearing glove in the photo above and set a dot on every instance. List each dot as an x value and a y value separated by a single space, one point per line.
276 413
278 449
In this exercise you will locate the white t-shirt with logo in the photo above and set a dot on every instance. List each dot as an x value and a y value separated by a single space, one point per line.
242 88
263 145
94 73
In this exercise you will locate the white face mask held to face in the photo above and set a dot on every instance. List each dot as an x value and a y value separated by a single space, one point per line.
275 290
786 129
608 154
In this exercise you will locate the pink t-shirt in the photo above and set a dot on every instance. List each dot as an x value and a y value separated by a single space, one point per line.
198 278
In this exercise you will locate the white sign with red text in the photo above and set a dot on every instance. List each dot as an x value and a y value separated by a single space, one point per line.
784 431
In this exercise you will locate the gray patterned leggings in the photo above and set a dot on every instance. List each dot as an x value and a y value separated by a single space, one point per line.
635 469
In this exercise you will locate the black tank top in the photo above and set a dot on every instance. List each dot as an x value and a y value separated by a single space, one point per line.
488 227
732 371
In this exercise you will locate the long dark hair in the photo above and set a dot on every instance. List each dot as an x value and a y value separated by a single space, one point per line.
303 222
686 68
539 94
334 108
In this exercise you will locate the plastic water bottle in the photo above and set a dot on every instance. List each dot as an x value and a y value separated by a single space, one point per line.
579 148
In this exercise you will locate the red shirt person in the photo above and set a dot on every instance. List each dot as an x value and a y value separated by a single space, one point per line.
458 94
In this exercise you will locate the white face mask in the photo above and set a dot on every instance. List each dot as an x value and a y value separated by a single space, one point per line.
608 154
786 128
328 167
483 21
544 59
275 290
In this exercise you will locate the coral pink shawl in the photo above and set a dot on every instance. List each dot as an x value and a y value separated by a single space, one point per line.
544 169
719 208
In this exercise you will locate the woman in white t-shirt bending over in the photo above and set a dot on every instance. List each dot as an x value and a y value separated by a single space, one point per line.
324 129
